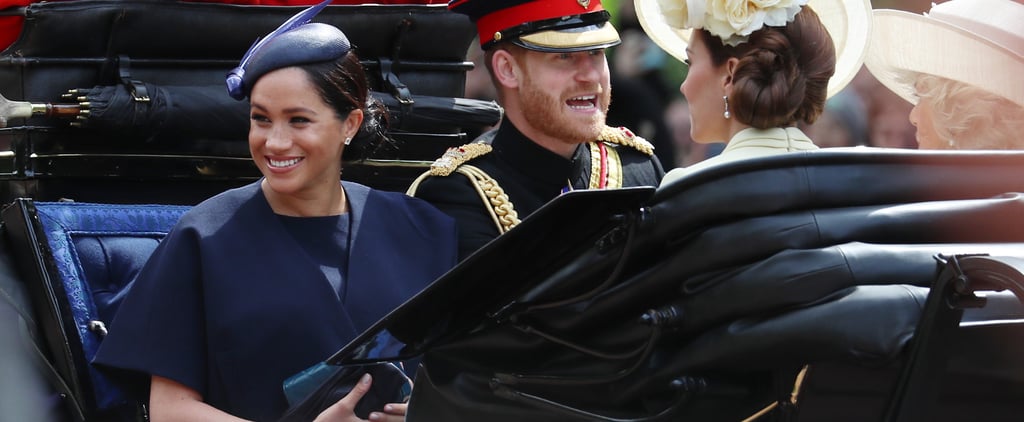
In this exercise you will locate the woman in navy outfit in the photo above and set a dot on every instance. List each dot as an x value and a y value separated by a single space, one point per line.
261 282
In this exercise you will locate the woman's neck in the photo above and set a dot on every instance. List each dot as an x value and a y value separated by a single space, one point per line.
325 202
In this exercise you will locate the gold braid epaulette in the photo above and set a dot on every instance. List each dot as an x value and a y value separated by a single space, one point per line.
499 207
457 156
494 197
623 136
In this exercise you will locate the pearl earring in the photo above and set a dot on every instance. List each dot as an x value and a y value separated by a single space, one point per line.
726 114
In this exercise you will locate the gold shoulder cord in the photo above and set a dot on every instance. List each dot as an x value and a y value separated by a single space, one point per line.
494 197
793 396
495 200
623 136
605 166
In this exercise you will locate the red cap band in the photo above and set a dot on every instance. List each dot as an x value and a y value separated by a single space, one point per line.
532 11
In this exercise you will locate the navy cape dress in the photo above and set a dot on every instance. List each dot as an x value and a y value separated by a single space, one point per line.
229 304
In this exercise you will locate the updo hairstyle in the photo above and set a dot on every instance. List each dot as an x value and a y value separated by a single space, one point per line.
342 85
783 72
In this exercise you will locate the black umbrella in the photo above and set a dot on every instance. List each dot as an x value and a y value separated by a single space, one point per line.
426 112
152 110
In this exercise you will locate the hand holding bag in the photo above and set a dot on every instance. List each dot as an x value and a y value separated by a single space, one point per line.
317 388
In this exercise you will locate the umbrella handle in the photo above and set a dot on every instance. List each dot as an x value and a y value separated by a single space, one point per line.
13 110
56 110
22 109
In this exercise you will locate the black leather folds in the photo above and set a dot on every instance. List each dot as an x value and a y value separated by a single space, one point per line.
180 42
724 285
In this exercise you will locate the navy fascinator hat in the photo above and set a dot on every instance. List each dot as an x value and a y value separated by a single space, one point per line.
295 42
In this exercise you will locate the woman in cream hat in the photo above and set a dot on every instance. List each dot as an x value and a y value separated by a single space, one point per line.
757 68
961 65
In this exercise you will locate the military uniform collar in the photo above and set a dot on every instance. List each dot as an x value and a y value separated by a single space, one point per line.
535 161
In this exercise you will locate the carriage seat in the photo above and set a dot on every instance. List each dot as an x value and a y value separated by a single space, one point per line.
77 261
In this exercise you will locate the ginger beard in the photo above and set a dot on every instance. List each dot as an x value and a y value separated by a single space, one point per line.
553 115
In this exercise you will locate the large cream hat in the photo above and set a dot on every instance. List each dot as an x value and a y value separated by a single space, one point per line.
976 42
848 23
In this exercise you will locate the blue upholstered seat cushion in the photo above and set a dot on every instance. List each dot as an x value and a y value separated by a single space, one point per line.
97 250
109 264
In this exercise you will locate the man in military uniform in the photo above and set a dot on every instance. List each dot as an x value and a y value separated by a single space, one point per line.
546 59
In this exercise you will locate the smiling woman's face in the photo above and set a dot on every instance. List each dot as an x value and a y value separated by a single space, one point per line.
295 138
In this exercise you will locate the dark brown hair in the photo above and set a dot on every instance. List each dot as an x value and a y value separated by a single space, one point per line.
783 72
343 86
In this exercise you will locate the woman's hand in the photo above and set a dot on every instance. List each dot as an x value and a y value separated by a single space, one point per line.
393 412
344 409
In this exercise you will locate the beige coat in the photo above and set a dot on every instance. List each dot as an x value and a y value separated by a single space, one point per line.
749 143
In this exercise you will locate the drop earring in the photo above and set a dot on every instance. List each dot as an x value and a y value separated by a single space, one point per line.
726 114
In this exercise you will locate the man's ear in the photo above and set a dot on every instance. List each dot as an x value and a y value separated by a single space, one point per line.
506 69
